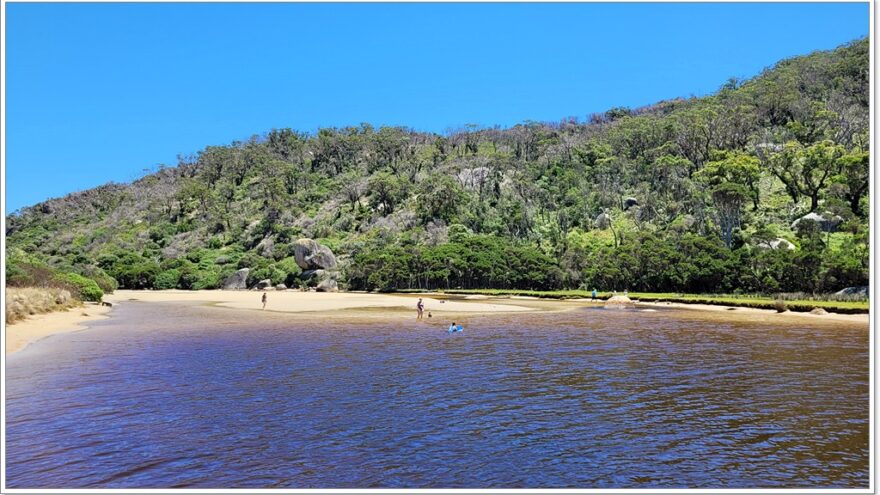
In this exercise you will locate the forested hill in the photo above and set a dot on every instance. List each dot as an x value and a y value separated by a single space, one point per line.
695 195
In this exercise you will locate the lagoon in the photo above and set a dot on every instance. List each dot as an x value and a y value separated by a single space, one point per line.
183 395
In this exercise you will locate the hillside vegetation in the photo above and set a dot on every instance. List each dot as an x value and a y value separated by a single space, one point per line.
687 195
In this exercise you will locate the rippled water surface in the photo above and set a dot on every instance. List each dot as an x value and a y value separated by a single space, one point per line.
169 396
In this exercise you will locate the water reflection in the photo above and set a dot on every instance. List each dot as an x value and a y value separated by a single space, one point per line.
202 397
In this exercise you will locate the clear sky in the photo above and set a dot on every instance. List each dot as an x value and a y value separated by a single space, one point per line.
99 92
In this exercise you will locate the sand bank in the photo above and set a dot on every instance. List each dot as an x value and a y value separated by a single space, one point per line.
301 302
769 314
36 327
322 302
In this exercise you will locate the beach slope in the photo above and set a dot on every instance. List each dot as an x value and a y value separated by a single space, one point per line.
36 327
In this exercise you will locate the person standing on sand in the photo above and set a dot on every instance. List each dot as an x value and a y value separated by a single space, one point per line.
265 298
420 308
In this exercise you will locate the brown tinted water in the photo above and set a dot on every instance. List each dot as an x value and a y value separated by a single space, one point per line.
165 395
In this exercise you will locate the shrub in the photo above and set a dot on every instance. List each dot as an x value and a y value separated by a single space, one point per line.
87 288
780 306
196 255
27 274
189 277
253 261
272 273
282 251
206 280
167 279
291 270
16 275
135 272
107 283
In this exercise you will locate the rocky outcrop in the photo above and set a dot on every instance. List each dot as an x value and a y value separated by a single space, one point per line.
827 221
310 255
619 302
603 221
266 247
263 284
328 285
280 287
237 281
853 291
319 265
322 280
779 243
474 178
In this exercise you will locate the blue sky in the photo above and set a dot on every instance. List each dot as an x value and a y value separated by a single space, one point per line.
100 92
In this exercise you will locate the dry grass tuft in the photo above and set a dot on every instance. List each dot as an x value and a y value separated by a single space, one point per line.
780 305
22 302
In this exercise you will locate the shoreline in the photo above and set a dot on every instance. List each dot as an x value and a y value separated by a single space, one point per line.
358 304
842 317
727 300
23 333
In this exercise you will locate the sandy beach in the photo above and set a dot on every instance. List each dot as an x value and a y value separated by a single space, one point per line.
766 314
36 327
301 302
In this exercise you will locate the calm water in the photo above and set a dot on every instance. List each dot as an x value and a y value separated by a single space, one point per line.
591 398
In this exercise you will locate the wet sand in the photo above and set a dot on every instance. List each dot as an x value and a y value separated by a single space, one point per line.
36 327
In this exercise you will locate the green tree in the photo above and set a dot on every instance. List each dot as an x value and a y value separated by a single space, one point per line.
736 168
728 198
385 190
855 178
806 171
439 196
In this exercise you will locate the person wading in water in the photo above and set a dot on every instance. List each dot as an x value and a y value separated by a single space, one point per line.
420 308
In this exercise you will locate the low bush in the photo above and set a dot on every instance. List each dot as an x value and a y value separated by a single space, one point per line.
167 279
780 306
87 288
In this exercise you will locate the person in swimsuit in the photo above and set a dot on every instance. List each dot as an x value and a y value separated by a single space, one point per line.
265 298
420 308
